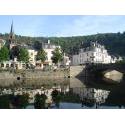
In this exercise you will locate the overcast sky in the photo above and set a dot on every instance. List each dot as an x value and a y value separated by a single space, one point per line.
62 25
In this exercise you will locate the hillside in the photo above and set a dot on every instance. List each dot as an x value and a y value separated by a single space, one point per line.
114 42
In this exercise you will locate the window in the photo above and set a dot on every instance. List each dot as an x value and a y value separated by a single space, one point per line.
7 65
2 65
12 65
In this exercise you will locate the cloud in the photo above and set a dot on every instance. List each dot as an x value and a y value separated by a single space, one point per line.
86 25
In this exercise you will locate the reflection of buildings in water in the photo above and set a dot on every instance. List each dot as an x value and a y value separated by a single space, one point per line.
32 92
91 94
86 94
75 85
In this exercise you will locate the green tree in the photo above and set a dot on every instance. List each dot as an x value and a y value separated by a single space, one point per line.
41 55
23 55
40 101
4 54
57 56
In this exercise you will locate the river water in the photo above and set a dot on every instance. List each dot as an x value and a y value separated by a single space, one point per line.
79 93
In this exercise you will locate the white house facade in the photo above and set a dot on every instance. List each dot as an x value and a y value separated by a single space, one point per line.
49 48
32 56
95 53
92 94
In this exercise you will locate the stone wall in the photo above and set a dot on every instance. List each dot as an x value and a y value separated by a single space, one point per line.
46 74
30 77
77 71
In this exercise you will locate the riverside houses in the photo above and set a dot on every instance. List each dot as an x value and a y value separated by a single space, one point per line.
95 53
32 62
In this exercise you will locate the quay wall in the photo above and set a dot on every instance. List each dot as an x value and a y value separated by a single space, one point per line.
73 71
33 74
30 77
38 77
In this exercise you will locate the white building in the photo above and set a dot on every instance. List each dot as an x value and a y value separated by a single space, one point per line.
95 53
49 48
31 52
32 56
12 64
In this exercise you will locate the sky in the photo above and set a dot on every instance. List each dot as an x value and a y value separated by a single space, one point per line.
48 26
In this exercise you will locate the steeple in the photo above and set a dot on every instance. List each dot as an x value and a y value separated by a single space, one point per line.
11 35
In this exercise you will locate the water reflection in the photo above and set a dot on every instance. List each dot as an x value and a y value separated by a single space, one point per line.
65 93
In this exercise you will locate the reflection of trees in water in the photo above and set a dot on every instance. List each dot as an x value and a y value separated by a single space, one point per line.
14 101
56 97
39 102
69 96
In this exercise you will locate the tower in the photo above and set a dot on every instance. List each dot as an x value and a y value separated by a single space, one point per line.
11 37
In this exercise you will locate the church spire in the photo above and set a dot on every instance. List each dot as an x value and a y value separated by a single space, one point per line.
11 35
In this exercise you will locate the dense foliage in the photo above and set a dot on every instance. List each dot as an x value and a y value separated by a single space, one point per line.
57 56
4 54
114 42
41 55
23 55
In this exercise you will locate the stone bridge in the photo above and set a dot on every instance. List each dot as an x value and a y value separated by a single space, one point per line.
104 67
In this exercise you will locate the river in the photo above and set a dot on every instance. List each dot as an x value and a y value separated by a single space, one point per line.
79 93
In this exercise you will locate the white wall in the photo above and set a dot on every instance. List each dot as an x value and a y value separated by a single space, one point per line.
96 55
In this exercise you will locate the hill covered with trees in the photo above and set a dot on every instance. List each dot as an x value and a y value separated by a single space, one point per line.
114 42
